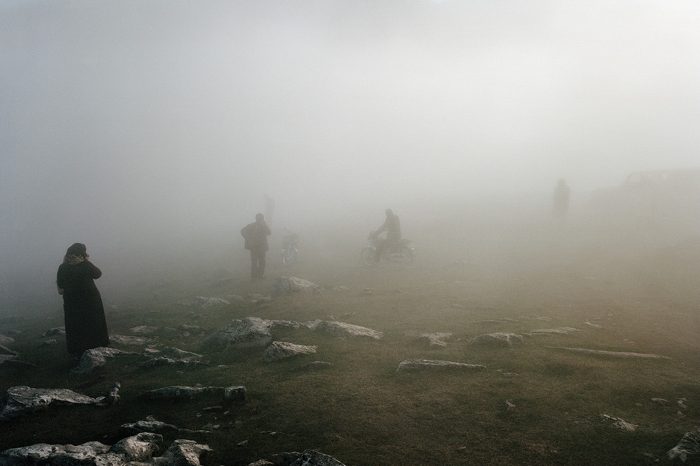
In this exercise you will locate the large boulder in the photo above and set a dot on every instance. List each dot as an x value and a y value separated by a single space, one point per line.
432 364
22 400
241 333
282 350
343 329
139 447
183 453
499 339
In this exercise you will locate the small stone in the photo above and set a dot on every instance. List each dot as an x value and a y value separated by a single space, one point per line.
620 423
418 364
243 443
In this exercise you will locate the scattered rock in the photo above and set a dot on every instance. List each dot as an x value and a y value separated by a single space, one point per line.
135 450
681 403
612 354
436 339
592 324
660 401
554 331
96 357
241 333
510 405
287 285
279 350
307 458
143 330
53 332
418 364
256 298
619 423
315 365
342 329
501 339
5 340
48 342
12 360
170 356
7 351
689 445
150 424
234 393
261 463
340 288
207 302
23 400
128 340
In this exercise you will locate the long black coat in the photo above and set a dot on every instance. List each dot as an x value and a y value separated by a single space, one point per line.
86 326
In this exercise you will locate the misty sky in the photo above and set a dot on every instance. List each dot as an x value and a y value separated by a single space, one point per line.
130 118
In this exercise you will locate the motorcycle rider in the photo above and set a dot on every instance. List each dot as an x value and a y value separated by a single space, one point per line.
255 235
392 226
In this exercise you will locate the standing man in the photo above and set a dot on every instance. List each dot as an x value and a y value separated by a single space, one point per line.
392 227
255 235
560 205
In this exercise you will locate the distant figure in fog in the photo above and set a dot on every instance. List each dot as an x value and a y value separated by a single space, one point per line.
561 199
82 304
255 235
392 227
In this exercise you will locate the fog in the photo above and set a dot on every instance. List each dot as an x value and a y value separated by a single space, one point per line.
152 131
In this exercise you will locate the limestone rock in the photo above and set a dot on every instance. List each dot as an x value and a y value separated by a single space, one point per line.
619 423
207 302
144 330
612 354
128 340
22 400
343 329
234 393
420 364
5 340
170 356
554 331
183 453
279 350
307 458
501 339
436 339
53 332
139 447
241 333
689 445
96 357
286 285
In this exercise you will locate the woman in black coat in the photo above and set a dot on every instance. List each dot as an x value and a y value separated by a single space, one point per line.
82 304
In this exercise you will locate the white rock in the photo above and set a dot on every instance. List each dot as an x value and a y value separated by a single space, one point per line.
689 445
418 364
286 285
128 340
619 423
241 333
342 329
206 302
22 400
96 357
436 339
554 331
612 354
503 339
282 350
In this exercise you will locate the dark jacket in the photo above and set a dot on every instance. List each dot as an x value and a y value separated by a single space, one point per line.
255 235
392 226
86 326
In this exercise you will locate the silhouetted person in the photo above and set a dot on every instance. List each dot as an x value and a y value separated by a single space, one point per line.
561 199
255 235
82 304
392 227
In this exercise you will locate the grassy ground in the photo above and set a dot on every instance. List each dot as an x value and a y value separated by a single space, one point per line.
363 412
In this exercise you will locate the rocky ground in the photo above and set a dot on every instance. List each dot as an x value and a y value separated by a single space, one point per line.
420 364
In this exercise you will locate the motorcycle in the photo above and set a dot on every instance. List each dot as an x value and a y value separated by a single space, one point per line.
401 253
290 249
